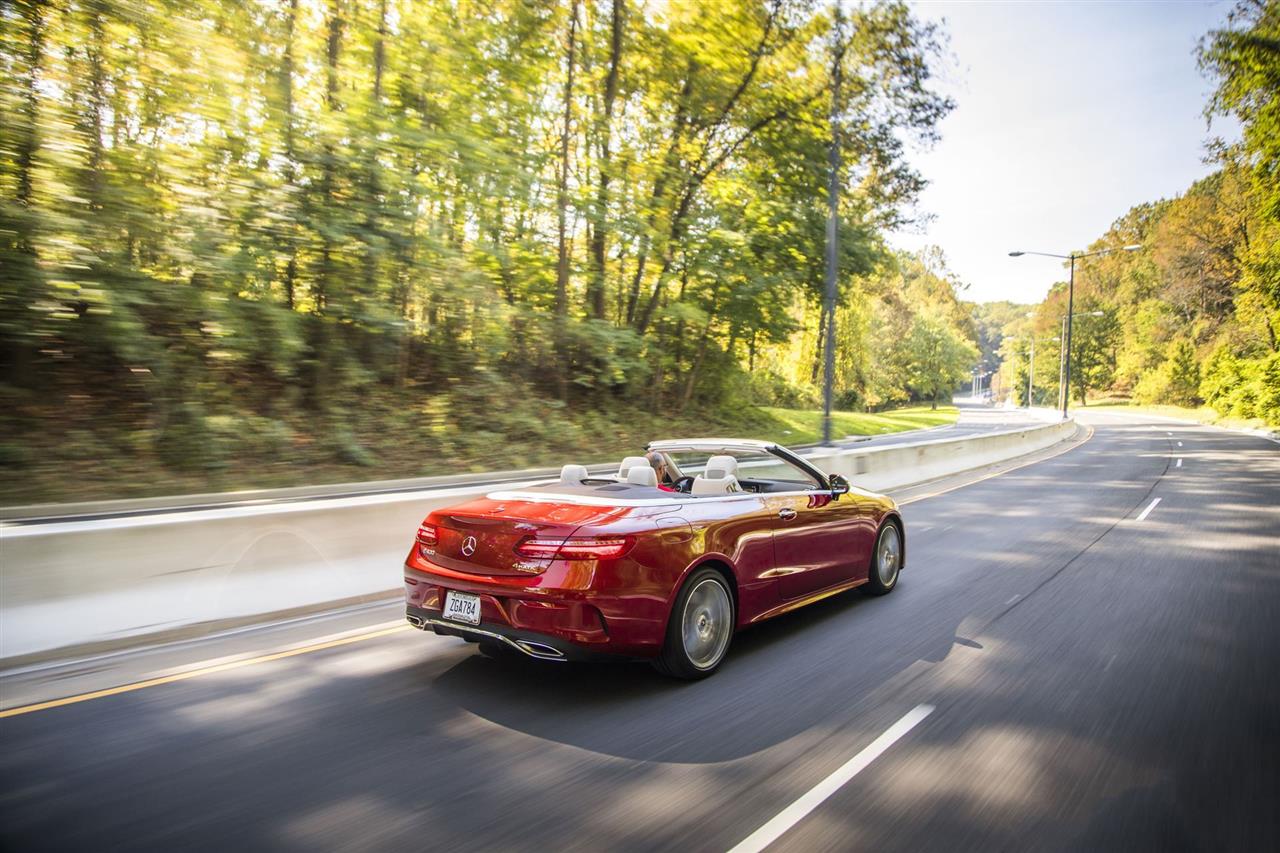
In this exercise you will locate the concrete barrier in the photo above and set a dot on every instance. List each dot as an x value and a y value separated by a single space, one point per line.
883 469
93 584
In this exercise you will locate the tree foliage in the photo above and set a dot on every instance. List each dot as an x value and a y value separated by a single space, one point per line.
259 218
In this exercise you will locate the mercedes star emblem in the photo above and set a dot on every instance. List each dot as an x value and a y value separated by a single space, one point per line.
468 546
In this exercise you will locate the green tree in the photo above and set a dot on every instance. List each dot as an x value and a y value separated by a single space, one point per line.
939 358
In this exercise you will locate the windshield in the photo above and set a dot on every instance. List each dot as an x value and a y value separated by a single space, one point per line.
752 465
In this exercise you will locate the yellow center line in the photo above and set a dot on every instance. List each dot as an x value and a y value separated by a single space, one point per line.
195 673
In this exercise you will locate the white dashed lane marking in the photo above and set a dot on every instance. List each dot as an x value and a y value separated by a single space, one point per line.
814 797
1147 511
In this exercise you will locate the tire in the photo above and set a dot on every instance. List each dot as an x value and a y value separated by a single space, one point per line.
886 561
700 627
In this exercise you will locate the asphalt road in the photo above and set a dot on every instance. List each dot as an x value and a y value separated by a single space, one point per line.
1102 676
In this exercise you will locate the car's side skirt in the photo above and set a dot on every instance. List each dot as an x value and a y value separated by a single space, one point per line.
796 603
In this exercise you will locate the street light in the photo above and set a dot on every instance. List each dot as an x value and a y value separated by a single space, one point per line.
1071 297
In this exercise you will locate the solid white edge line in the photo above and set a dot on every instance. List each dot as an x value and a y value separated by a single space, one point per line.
814 797
1147 511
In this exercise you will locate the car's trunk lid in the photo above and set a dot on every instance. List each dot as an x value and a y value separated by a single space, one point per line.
481 537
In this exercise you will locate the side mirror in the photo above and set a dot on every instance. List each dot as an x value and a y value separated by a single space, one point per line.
839 485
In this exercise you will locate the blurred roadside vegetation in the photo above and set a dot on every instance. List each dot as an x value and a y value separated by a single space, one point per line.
396 443
1194 318
267 242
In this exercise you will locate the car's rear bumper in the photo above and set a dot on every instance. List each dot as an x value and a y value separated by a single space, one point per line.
577 623
533 644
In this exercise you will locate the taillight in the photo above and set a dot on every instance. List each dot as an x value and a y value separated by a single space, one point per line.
574 548
426 538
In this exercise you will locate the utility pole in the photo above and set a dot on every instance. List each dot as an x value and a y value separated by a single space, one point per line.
1062 364
833 226
1071 299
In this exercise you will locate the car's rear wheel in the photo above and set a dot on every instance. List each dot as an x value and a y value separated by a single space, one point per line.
886 562
700 627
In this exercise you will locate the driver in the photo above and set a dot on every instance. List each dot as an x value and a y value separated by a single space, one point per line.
659 464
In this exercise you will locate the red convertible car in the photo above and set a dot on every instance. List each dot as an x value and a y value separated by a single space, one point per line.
627 565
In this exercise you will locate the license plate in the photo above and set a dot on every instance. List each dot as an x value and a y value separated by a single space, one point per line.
461 607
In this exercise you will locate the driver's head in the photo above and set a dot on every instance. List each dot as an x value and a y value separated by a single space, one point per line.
658 463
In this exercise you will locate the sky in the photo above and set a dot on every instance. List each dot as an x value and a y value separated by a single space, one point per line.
1067 115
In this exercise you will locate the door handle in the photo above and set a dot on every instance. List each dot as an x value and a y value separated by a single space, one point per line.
786 514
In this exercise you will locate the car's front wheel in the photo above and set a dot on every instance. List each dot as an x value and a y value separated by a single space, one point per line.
700 627
886 562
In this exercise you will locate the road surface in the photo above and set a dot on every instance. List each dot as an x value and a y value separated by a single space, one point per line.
1081 655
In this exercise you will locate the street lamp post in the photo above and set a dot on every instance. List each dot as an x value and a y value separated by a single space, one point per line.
1071 296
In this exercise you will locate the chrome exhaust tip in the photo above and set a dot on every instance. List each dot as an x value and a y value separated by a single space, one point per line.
539 650
532 648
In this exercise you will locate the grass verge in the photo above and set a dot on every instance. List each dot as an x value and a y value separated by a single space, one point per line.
804 426
78 461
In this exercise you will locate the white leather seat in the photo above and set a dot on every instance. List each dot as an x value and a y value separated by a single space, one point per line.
714 481
573 474
642 476
632 462
727 464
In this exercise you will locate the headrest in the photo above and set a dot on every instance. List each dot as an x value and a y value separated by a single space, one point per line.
727 464
573 473
632 462
723 485
645 476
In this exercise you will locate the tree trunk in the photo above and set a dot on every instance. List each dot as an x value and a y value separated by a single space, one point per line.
29 138
820 349
562 211
20 277
97 108
600 215
323 347
373 177
291 157
670 161
328 178
697 361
